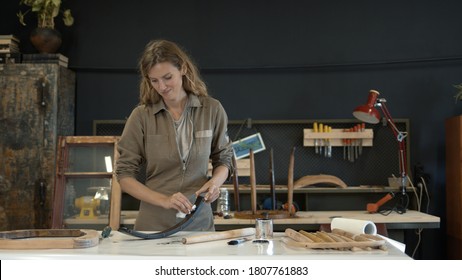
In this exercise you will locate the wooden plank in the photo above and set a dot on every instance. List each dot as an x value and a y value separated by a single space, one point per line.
48 239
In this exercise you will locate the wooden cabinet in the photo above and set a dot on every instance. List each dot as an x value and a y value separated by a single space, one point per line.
36 106
453 128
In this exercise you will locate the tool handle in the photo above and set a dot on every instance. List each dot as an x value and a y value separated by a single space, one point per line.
374 207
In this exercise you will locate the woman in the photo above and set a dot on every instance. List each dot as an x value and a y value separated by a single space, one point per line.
174 131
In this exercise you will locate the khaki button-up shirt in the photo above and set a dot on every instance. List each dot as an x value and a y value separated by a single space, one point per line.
149 139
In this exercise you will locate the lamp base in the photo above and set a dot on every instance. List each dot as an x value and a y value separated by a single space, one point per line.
402 202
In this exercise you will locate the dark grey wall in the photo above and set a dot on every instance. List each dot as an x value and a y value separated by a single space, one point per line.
274 59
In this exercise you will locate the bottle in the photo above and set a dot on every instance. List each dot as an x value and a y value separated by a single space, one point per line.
223 202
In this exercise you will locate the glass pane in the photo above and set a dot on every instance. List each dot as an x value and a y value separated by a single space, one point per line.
90 159
87 201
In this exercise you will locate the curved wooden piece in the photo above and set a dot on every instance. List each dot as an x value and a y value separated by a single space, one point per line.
309 180
48 239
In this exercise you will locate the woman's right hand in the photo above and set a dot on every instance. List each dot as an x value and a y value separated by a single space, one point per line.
179 202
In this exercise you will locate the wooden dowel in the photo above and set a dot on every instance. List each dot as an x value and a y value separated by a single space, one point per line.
237 205
272 183
290 183
218 235
253 184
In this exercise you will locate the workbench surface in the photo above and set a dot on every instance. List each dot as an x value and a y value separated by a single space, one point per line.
121 246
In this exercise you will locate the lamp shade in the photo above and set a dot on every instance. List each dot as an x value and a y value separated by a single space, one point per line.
367 112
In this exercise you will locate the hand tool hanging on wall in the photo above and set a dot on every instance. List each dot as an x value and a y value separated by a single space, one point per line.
316 141
362 129
350 148
356 143
326 141
329 147
321 140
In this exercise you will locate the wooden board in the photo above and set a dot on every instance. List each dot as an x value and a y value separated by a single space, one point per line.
48 239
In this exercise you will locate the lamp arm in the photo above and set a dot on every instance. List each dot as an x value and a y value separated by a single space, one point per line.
400 137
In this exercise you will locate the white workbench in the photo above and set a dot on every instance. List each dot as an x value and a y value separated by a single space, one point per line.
121 246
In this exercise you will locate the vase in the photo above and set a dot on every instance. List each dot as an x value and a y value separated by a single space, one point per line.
46 40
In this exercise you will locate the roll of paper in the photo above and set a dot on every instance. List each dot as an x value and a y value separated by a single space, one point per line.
354 226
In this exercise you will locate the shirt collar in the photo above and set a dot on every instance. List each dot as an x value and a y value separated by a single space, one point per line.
194 101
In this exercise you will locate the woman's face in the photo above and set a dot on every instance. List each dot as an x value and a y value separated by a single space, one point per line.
167 80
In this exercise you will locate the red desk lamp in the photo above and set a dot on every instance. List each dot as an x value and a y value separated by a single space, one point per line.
369 114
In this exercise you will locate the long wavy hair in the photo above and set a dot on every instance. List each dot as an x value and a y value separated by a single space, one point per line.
158 51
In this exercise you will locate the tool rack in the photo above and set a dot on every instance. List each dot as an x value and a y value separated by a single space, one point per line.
337 137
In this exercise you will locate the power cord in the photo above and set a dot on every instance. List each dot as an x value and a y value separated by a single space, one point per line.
403 202
419 197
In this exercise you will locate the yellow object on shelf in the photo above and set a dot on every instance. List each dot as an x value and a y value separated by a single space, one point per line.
88 206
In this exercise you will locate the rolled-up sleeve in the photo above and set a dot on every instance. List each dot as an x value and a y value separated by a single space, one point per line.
222 151
130 146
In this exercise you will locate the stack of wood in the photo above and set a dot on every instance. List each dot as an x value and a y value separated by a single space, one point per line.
337 239
9 49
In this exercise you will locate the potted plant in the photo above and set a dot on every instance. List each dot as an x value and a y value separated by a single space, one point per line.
45 38
458 96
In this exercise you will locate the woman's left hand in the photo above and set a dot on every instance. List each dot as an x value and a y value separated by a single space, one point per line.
211 190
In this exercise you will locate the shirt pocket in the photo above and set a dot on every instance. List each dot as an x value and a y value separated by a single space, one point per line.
157 146
203 139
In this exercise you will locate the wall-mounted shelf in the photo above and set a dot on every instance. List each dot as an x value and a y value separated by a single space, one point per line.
338 137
